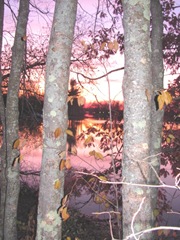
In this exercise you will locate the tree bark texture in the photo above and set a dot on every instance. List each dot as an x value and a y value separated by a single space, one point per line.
157 77
55 116
12 124
137 91
2 119
157 81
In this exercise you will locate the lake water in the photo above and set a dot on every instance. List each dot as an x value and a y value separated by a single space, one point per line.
82 197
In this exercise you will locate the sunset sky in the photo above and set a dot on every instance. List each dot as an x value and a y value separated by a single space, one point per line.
40 25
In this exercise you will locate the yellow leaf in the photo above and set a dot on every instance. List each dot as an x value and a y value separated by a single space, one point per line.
57 184
107 205
64 201
62 164
81 101
74 150
69 132
91 180
167 97
160 101
110 46
98 199
156 212
168 140
91 153
16 144
88 140
116 46
103 178
102 46
98 155
57 132
68 163
68 238
171 136
65 215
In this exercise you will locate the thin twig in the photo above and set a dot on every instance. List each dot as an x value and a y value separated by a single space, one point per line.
134 216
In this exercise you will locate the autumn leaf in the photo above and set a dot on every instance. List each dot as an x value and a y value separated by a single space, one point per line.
166 97
156 212
98 199
107 205
68 163
171 136
57 184
91 153
62 165
63 208
160 101
57 132
91 180
81 101
102 46
68 238
64 214
98 155
103 178
110 45
69 132
16 144
116 46
84 45
88 140
64 201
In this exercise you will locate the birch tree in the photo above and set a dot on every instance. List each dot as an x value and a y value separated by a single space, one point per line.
10 171
157 81
137 84
55 120
2 118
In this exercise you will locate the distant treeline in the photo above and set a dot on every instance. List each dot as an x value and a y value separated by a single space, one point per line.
31 111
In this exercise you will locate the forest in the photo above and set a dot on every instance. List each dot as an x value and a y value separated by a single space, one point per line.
89 120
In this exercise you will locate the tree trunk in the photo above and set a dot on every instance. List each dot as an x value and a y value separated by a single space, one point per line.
2 120
55 117
12 124
157 76
137 88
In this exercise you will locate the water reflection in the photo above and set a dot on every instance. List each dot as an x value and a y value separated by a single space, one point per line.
87 195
